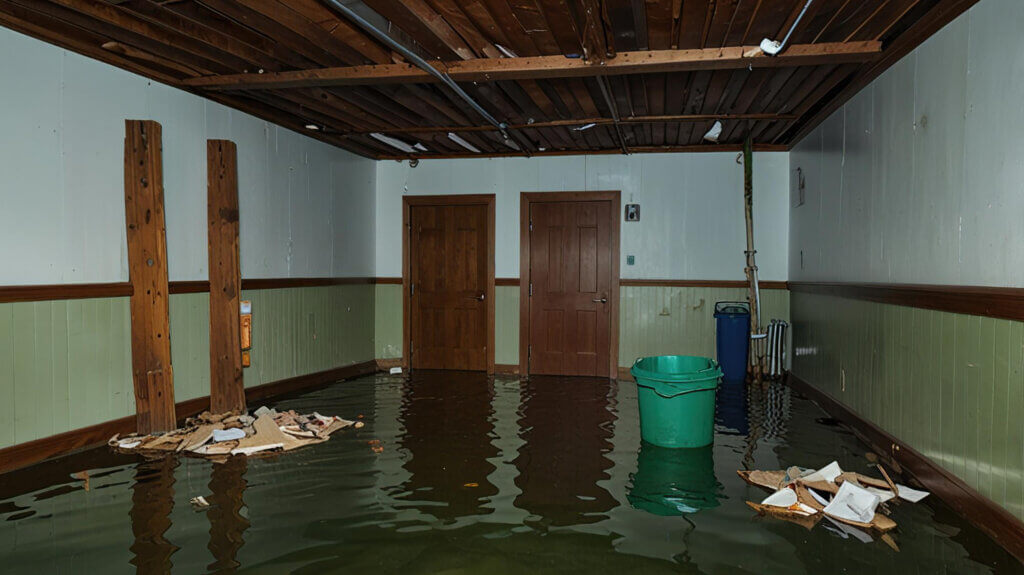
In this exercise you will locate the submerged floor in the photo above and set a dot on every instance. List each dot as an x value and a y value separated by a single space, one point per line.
472 475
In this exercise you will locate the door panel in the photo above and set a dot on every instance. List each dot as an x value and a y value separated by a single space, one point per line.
571 273
449 277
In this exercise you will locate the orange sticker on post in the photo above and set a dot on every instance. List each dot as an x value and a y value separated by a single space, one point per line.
246 330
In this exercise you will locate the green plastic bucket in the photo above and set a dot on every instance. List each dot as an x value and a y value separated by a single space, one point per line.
677 399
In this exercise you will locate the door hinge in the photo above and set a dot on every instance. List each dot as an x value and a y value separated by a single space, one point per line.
531 289
412 289
531 225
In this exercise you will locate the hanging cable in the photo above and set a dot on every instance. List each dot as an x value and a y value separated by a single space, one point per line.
417 61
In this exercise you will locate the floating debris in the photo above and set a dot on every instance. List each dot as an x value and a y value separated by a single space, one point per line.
847 499
218 436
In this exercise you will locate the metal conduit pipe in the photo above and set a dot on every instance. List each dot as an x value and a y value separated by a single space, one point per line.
416 60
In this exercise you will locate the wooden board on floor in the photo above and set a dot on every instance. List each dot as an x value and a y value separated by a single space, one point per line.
147 268
227 388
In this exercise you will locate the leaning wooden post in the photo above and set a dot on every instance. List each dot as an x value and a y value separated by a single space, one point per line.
147 268
227 387
753 296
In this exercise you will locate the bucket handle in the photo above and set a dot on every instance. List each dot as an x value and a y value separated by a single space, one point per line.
683 392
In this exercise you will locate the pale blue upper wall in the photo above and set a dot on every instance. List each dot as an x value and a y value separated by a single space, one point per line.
306 207
691 207
920 177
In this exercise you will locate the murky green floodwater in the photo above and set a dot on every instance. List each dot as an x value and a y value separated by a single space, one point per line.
475 476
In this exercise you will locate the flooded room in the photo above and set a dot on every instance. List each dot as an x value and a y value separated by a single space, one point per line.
709 287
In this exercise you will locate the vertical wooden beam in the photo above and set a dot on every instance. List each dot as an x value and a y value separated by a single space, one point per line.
147 266
227 388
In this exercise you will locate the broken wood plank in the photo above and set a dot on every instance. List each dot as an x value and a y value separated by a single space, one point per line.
147 267
227 387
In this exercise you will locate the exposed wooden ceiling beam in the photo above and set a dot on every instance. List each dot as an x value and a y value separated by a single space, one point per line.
584 121
701 148
537 67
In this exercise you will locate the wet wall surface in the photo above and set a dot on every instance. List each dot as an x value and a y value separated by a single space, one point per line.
460 473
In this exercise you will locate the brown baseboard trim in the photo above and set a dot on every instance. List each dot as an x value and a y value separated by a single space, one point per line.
998 523
625 375
387 364
35 451
701 283
997 302
506 369
11 294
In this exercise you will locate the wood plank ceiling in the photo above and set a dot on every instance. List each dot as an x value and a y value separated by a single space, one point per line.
567 76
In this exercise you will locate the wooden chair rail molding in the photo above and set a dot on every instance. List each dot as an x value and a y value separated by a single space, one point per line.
27 293
997 302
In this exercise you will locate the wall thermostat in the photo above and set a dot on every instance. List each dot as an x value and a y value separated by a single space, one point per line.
632 212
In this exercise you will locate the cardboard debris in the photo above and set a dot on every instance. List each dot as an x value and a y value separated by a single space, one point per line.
803 496
217 436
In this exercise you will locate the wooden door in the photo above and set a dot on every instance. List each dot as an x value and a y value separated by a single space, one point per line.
571 277
449 277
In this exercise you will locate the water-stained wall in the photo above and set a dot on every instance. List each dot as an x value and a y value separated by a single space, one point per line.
917 180
306 210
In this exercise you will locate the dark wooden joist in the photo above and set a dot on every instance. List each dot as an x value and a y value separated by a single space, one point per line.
944 12
497 69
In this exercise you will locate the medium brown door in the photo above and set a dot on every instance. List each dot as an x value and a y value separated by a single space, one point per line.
571 278
449 278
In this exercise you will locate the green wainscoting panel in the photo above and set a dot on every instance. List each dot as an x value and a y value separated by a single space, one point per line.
296 331
67 364
654 320
506 325
664 320
190 344
949 385
387 331
63 365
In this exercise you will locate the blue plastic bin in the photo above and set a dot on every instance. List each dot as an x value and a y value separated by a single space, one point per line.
732 320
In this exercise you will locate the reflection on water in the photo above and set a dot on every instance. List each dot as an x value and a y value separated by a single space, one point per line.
566 425
460 473
449 443
150 514
672 481
227 524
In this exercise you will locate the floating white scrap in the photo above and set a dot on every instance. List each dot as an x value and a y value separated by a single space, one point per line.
853 504
395 371
787 499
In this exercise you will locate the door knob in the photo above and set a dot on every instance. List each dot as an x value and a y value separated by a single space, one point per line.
602 300
480 297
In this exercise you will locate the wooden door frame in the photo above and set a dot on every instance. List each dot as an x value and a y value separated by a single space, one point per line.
528 198
446 200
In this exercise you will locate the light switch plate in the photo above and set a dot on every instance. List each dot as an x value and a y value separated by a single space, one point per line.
630 260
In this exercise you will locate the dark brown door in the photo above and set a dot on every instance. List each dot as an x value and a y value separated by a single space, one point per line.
571 275
449 277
